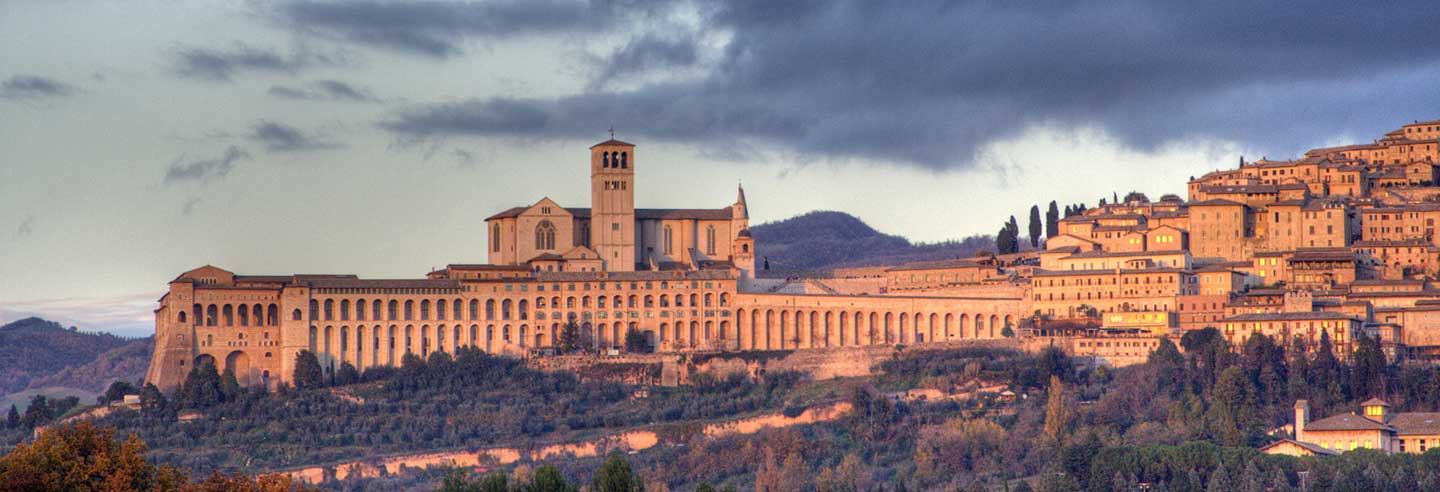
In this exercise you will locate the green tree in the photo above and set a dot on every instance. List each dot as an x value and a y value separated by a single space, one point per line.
1369 368
1052 220
549 479
569 338
1233 410
117 391
347 374
201 388
308 374
636 342
152 401
705 487
1034 226
615 475
38 412
229 386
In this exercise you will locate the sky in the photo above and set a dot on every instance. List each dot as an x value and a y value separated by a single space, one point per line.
141 139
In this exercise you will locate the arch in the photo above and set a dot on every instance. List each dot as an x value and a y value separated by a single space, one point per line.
394 313
781 332
440 309
616 339
524 334
424 309
545 235
668 240
409 337
743 338
313 336
489 339
198 316
664 332
474 309
474 335
375 310
725 338
710 240
314 309
524 309
391 348
344 342
359 346
1009 323
238 362
889 317
329 309
360 310
409 310
724 299
624 160
964 320
870 328
979 325
295 315
325 348
345 310
994 320
181 317
930 337
812 328
489 310
227 313
693 340
202 359
949 326
244 312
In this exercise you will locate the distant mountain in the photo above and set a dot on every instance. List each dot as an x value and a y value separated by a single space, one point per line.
32 348
824 240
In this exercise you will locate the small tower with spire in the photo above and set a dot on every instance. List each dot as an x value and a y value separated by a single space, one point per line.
742 249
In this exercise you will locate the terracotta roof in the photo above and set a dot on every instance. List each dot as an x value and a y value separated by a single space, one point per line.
937 265
640 213
1374 402
1410 423
1216 202
479 266
1343 422
1311 447
1323 254
355 283
1297 316
628 276
1064 273
612 142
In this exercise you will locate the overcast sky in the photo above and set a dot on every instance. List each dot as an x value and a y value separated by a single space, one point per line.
141 139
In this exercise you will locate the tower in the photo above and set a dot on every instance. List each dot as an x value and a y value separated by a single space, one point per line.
612 204
742 251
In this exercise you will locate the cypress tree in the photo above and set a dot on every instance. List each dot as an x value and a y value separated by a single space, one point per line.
201 387
616 476
1035 226
13 419
229 386
1052 220
548 478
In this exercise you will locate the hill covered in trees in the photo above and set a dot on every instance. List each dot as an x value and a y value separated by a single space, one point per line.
824 240
32 348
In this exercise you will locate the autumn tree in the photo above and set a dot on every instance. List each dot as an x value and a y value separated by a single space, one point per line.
84 457
1057 416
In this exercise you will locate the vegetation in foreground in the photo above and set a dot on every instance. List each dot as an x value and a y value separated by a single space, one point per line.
1183 422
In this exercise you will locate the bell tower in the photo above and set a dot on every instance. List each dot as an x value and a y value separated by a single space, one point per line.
612 204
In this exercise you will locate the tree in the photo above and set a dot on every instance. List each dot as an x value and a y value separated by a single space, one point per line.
794 473
1232 414
1056 413
38 412
1035 226
229 386
569 337
84 457
307 371
1369 372
152 401
348 374
201 388
548 478
117 391
704 487
1052 220
12 420
636 342
615 475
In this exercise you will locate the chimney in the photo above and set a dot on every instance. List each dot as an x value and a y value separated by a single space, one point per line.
1302 417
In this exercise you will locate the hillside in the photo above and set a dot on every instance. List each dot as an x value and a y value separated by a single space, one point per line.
823 240
32 347
126 362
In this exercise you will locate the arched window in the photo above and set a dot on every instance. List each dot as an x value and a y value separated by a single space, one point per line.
295 315
409 310
457 309
524 308
624 160
474 309
505 309
605 160
211 314
375 309
360 310
490 309
545 235
710 240
425 309
669 240
345 310
182 316
329 309
394 307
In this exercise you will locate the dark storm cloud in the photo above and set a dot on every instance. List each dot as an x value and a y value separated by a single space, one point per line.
930 84
324 90
440 28
279 137
202 170
223 65
34 87
647 53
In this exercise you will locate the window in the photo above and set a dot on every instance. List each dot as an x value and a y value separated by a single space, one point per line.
495 238
710 240
545 235
669 240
